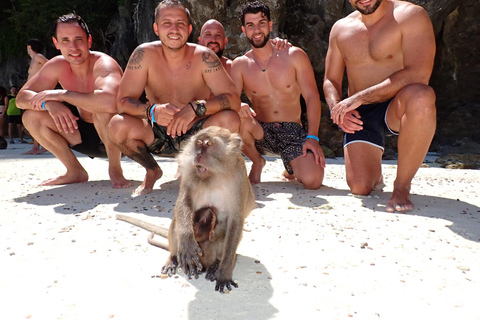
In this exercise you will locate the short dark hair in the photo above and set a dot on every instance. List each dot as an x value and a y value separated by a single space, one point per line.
171 4
71 18
254 7
35 44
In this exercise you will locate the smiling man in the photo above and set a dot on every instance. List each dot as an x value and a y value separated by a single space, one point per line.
213 37
186 87
273 80
77 115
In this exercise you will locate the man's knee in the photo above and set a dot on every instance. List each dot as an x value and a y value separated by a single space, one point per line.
29 118
420 97
227 119
117 128
311 182
362 188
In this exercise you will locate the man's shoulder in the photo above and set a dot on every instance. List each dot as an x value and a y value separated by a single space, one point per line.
407 9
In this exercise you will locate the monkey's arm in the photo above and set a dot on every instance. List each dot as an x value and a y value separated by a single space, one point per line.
187 250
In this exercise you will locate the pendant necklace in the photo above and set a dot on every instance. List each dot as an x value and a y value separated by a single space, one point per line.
268 63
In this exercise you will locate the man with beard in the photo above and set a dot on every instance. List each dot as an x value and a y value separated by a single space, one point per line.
387 48
273 81
186 87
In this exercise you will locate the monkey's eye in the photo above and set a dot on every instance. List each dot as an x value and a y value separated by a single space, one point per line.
199 142
209 143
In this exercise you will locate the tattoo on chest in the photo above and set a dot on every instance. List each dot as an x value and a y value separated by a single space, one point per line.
224 102
212 62
189 64
135 60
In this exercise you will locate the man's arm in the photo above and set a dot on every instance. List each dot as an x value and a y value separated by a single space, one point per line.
236 74
133 84
106 73
418 48
308 88
217 79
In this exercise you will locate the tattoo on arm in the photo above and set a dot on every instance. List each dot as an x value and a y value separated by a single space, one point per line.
224 102
135 60
212 62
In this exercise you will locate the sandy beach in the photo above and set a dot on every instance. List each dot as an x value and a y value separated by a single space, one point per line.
322 254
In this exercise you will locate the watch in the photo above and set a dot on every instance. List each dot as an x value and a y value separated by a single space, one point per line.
200 110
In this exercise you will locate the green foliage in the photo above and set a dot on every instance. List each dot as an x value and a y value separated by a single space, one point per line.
25 19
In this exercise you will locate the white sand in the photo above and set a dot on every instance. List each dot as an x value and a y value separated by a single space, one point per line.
305 254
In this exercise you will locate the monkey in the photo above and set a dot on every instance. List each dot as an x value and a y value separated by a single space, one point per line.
215 197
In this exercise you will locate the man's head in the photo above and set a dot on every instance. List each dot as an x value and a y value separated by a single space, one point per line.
35 45
213 37
369 7
14 90
71 18
172 24
256 23
72 38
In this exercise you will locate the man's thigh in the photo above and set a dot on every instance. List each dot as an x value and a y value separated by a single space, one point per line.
363 163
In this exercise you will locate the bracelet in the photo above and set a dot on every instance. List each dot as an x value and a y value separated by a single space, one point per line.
312 137
191 105
152 113
43 105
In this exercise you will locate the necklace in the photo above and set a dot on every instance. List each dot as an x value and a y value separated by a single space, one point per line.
268 63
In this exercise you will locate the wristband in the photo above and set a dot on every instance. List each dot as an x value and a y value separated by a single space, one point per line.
152 113
43 105
312 137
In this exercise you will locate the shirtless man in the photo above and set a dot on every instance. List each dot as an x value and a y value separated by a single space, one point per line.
387 48
273 81
186 87
90 82
34 47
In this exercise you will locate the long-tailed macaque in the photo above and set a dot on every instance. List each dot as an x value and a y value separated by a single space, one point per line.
214 199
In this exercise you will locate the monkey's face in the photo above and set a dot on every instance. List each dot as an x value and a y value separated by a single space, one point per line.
209 152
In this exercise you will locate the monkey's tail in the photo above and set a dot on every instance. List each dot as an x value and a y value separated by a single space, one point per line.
144 225
157 243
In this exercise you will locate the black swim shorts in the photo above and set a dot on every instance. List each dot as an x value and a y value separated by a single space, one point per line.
164 145
91 144
282 138
374 125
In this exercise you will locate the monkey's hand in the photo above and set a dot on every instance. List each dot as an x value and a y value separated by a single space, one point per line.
213 273
170 268
188 259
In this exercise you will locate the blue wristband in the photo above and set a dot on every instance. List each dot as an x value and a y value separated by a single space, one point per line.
152 113
43 105
312 137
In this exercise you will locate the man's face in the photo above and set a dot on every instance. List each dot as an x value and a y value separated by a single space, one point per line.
366 7
73 43
213 37
257 29
172 27
13 91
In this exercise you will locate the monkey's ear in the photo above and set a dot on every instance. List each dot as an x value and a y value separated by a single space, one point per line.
236 142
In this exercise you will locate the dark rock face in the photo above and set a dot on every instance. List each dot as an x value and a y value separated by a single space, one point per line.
306 24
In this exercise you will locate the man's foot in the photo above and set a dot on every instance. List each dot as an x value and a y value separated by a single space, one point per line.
12 142
35 151
150 178
288 176
76 177
400 201
119 182
256 171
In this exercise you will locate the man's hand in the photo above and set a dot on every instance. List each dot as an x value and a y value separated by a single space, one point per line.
164 113
351 122
180 122
314 146
246 111
280 44
45 95
339 111
64 119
